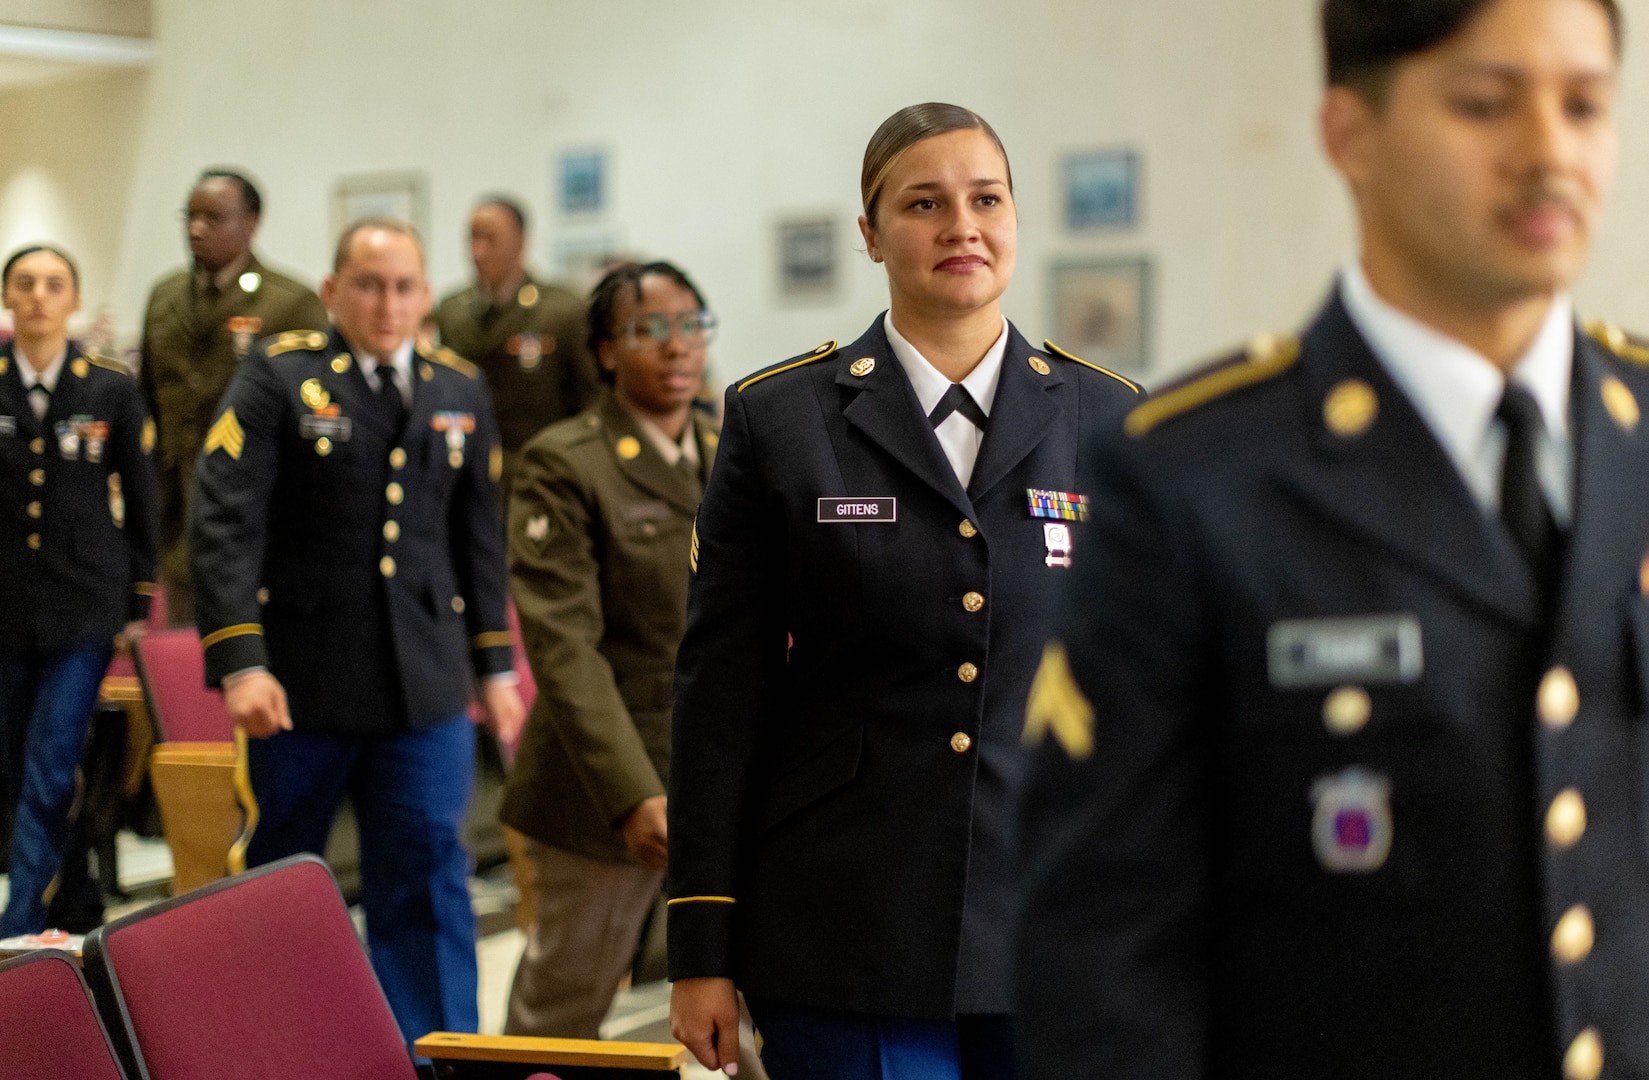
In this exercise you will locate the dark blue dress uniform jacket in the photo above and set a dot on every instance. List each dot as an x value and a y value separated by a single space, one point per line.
839 817
363 567
69 571
1188 912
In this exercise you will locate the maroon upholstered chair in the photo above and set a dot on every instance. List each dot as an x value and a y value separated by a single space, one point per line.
262 976
49 1029
173 669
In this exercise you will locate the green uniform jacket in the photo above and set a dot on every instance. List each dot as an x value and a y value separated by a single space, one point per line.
599 536
534 356
191 347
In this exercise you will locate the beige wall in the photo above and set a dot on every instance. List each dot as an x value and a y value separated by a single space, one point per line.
129 18
720 116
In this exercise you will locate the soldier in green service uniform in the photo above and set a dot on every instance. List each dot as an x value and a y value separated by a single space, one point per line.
201 321
527 335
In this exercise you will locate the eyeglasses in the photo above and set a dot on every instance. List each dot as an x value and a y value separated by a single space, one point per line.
695 327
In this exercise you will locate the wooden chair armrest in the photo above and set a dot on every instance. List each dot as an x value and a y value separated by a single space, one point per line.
448 1048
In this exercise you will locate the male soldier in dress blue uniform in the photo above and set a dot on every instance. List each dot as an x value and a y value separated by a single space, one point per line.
349 569
1343 762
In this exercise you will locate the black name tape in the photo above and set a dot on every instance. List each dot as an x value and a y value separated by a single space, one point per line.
836 511
336 428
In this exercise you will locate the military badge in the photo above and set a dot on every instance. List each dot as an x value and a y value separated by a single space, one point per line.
314 394
1056 535
245 329
93 435
1352 649
226 435
628 447
538 528
68 440
1351 826
8 426
456 426
529 350
251 282
1057 505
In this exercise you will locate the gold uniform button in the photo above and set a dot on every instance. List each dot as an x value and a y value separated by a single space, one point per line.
394 494
1558 700
397 458
37 477
323 446
34 541
967 673
1350 408
1040 366
263 596
1572 939
386 566
967 529
392 531
960 742
1347 710
34 510
973 601
1584 1058
37 446
458 604
1566 819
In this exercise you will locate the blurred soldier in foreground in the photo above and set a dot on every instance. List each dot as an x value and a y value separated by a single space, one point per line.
526 335
1343 769
201 321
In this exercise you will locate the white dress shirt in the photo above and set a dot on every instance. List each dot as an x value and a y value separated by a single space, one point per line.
673 451
400 359
958 436
1457 391
47 378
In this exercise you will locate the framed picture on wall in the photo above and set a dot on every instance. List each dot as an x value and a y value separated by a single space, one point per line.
1102 311
807 258
583 182
1101 190
401 195
581 257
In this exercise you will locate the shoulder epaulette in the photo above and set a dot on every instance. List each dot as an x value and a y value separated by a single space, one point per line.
107 364
293 340
1057 351
1617 341
448 358
823 352
1267 357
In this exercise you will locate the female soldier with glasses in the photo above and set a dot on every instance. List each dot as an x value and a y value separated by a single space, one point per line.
901 511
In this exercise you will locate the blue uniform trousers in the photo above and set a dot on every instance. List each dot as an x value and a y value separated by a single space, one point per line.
46 707
820 1044
410 792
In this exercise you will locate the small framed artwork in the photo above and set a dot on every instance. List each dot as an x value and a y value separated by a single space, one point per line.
807 258
581 257
403 196
1102 190
1102 311
583 176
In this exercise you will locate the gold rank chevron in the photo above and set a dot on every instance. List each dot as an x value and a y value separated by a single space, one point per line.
1057 705
226 435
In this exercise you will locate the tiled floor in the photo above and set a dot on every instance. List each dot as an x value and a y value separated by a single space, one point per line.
639 1014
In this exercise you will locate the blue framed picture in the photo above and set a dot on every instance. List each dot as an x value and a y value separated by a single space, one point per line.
583 182
1102 190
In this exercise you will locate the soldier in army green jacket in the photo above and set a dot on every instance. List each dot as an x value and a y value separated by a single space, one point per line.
528 336
200 323
600 532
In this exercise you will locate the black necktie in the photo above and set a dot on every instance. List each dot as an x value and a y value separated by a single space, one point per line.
392 404
957 399
1523 506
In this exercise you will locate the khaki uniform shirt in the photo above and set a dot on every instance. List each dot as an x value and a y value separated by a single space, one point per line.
192 343
531 347
599 534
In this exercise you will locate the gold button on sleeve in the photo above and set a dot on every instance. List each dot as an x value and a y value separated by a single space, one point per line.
1566 819
973 601
1558 700
968 529
967 673
397 458
1584 1058
386 566
34 541
458 604
392 531
960 742
1573 938
394 494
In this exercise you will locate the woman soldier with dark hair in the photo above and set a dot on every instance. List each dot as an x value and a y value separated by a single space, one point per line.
900 512
77 557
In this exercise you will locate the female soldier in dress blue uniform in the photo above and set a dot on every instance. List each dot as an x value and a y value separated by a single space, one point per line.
901 512
77 557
